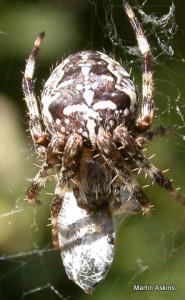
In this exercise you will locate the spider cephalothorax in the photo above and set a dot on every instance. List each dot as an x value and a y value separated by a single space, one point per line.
94 134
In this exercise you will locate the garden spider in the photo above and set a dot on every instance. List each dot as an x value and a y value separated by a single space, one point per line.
94 136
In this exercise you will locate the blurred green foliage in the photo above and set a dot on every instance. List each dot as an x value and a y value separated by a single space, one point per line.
149 251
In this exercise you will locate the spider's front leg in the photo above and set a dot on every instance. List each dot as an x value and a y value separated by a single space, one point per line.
53 152
133 149
157 176
55 209
72 152
115 161
40 138
70 167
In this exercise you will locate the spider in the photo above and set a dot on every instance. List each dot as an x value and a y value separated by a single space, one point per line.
95 131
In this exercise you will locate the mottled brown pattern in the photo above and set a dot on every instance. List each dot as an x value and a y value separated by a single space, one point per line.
94 135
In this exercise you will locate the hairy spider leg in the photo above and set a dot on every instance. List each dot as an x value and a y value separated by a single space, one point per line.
55 209
145 118
115 161
121 135
150 135
72 151
39 137
52 155
157 176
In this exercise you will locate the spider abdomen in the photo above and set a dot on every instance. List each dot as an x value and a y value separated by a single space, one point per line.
88 90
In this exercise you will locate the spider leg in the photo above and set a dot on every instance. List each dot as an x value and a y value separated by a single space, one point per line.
55 209
157 176
149 136
133 144
72 151
147 107
54 149
112 156
39 137
122 136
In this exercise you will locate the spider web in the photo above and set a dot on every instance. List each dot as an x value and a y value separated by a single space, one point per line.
149 251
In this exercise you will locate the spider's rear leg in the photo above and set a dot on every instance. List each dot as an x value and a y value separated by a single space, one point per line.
147 107
115 161
40 138
53 151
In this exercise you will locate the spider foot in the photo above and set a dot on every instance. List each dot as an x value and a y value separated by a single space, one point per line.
146 210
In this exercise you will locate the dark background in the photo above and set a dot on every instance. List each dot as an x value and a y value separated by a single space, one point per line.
149 250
